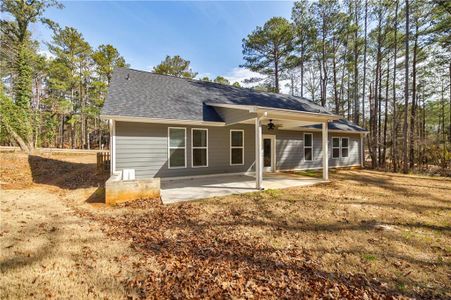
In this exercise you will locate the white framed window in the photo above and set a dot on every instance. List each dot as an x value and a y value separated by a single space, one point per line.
308 146
344 147
176 147
199 147
335 147
236 147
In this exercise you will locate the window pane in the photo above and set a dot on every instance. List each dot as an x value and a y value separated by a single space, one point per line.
308 140
344 143
177 158
199 138
237 156
237 138
176 137
336 142
336 153
308 153
199 157
344 152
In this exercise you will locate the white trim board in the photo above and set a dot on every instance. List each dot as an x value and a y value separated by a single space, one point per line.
161 120
263 109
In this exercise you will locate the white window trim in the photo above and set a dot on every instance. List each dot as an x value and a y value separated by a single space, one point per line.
339 147
192 147
311 147
236 147
169 148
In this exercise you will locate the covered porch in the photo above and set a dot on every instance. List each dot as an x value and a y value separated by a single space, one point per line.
179 190
265 121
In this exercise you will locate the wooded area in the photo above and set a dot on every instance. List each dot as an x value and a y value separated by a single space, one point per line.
385 65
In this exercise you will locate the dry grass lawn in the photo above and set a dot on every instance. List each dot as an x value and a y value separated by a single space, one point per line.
49 252
364 235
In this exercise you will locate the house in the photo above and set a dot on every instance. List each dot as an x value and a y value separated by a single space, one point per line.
167 127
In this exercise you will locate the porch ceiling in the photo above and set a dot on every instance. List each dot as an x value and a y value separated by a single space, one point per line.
284 123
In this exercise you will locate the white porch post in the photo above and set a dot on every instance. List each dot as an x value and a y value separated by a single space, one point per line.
325 152
258 154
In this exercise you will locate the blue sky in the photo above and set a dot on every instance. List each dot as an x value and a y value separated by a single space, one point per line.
208 34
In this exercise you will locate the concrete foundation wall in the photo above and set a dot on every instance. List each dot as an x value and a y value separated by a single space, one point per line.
118 191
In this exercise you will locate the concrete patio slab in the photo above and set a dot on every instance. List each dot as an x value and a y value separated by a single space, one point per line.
178 190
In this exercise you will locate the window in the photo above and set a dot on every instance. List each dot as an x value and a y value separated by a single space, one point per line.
199 146
308 146
236 147
344 147
176 147
335 147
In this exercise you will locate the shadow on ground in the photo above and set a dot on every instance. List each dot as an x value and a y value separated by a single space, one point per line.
63 174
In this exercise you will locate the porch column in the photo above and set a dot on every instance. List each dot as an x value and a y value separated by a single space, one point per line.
258 154
325 152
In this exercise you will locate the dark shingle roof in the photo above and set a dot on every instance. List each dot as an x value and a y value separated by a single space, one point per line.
145 94
134 93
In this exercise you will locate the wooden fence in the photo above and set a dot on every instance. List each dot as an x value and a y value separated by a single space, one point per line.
103 162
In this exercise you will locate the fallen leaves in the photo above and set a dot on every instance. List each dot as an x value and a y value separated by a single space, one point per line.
200 260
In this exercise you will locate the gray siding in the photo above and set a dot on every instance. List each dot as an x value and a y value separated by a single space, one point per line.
144 147
290 150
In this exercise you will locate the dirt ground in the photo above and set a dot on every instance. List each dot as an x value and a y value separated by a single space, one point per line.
47 251
366 235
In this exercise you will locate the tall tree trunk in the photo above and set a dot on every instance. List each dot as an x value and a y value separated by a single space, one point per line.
24 146
376 93
302 76
83 111
379 110
423 131
449 124
342 85
324 65
364 64
406 92
62 131
334 66
444 162
395 117
321 81
356 66
384 152
414 96
372 140
276 75
348 96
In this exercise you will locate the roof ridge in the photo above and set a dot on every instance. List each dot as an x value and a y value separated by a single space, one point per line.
211 82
